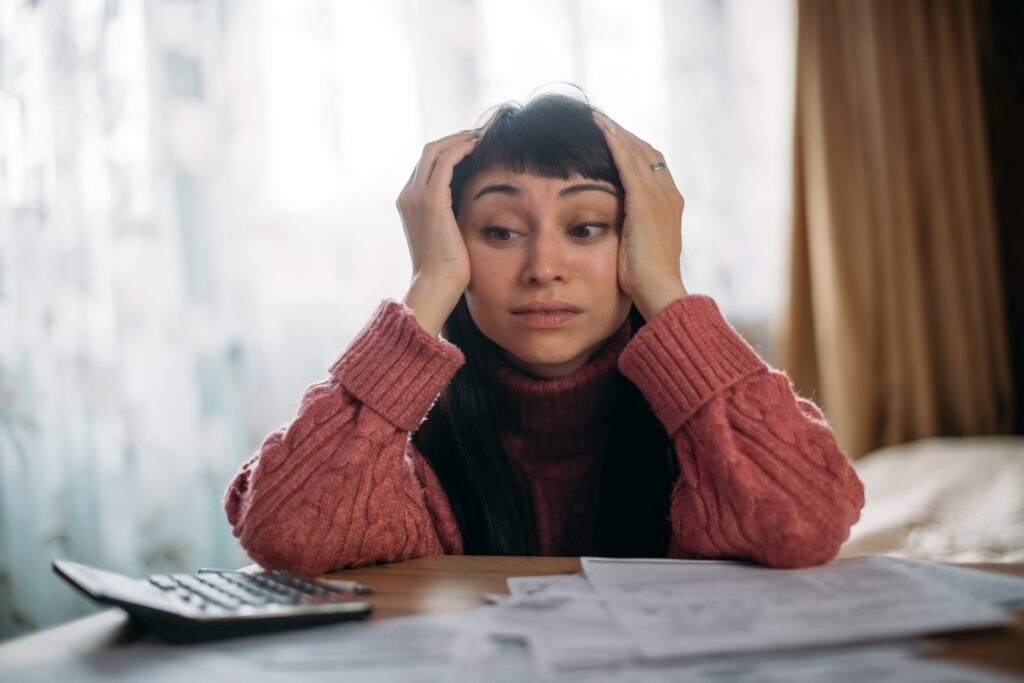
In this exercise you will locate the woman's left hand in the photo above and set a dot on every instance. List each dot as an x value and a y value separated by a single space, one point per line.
651 242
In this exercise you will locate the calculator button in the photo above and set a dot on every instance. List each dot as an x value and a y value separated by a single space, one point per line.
283 587
194 585
251 587
253 599
220 584
163 582
274 596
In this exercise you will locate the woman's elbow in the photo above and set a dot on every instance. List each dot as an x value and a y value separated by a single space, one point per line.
799 553
810 532
805 538
275 547
292 546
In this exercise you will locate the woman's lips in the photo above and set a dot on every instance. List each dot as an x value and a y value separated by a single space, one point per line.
545 319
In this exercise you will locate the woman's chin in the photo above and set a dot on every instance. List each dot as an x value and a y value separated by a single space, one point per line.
546 363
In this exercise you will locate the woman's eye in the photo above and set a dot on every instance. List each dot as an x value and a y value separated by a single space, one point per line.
587 230
497 234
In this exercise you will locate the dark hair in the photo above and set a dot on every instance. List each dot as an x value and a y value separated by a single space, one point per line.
553 136
463 438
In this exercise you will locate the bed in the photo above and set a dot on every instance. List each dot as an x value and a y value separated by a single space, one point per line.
958 499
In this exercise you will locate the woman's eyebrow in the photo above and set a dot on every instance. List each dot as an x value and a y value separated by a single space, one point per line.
584 187
504 188
513 191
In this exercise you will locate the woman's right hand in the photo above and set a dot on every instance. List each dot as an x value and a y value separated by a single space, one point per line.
440 262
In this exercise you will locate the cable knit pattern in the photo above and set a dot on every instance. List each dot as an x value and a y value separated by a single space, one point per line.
761 474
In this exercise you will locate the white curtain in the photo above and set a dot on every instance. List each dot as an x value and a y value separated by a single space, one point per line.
197 214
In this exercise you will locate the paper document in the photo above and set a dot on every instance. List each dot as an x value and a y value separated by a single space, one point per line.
567 632
509 661
620 620
995 589
414 646
564 632
693 607
557 584
496 661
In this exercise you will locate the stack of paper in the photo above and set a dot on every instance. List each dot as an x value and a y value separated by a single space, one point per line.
662 619
686 608
624 620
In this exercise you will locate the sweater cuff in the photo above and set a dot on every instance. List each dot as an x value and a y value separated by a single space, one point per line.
685 355
396 367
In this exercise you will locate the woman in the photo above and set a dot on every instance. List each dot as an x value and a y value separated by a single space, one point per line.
585 402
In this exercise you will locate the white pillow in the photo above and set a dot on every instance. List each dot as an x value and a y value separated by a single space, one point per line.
953 499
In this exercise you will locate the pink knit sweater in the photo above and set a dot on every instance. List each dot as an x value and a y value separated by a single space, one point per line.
761 474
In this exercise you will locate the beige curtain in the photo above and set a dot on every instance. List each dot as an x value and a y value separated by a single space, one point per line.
896 320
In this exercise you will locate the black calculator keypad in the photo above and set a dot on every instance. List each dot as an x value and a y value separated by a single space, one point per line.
232 590
210 604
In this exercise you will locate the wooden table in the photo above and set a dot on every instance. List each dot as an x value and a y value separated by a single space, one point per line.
452 583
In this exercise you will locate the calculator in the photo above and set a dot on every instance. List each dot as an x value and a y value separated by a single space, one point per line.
217 603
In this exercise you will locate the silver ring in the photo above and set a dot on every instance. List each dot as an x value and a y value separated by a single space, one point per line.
658 165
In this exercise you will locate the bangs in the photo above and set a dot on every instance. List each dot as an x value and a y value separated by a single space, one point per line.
553 136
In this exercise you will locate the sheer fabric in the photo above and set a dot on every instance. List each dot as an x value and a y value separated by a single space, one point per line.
197 204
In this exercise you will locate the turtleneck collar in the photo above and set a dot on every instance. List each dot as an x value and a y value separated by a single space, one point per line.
580 401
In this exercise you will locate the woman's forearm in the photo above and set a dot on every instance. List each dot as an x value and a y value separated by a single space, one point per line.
432 301
762 476
335 487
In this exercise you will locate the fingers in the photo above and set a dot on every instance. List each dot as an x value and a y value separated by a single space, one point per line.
433 150
432 175
626 147
634 156
444 166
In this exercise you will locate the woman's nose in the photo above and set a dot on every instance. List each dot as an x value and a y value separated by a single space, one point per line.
545 259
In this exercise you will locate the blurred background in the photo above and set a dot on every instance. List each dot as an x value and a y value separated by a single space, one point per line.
197 215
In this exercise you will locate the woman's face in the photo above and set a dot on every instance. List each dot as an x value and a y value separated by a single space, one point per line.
538 242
